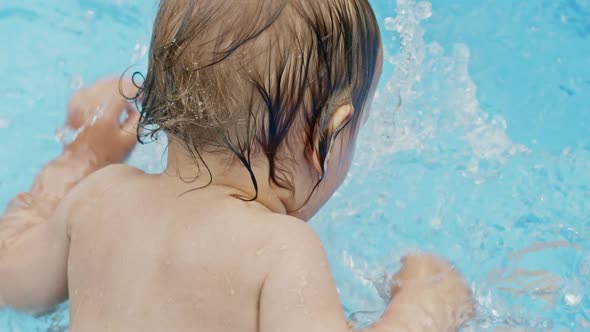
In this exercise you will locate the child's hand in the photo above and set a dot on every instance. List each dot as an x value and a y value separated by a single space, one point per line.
436 287
97 112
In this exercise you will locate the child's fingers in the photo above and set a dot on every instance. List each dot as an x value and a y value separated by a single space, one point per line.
75 119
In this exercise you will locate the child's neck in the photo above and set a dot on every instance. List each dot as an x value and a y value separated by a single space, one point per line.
227 174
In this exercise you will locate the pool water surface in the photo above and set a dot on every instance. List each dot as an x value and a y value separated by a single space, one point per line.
477 149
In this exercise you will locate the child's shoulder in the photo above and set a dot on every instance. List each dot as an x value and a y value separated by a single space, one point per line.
115 170
107 176
99 182
287 228
291 235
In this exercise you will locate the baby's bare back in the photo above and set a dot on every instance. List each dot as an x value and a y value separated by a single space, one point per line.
145 258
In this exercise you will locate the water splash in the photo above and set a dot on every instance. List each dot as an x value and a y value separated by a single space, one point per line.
67 135
139 51
431 98
76 82
427 118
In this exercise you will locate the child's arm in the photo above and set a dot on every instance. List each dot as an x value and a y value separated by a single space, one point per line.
33 233
33 258
299 294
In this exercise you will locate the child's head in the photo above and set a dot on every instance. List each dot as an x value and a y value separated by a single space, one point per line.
279 82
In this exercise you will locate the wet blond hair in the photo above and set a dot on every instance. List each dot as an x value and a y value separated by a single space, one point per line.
248 76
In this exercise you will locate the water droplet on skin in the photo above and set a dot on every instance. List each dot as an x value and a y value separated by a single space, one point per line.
228 281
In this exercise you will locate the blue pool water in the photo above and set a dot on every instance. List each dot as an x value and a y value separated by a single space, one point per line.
478 148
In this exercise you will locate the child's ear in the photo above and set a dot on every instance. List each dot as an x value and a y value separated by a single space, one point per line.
338 120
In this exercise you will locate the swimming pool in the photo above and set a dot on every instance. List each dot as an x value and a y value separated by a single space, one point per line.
478 147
